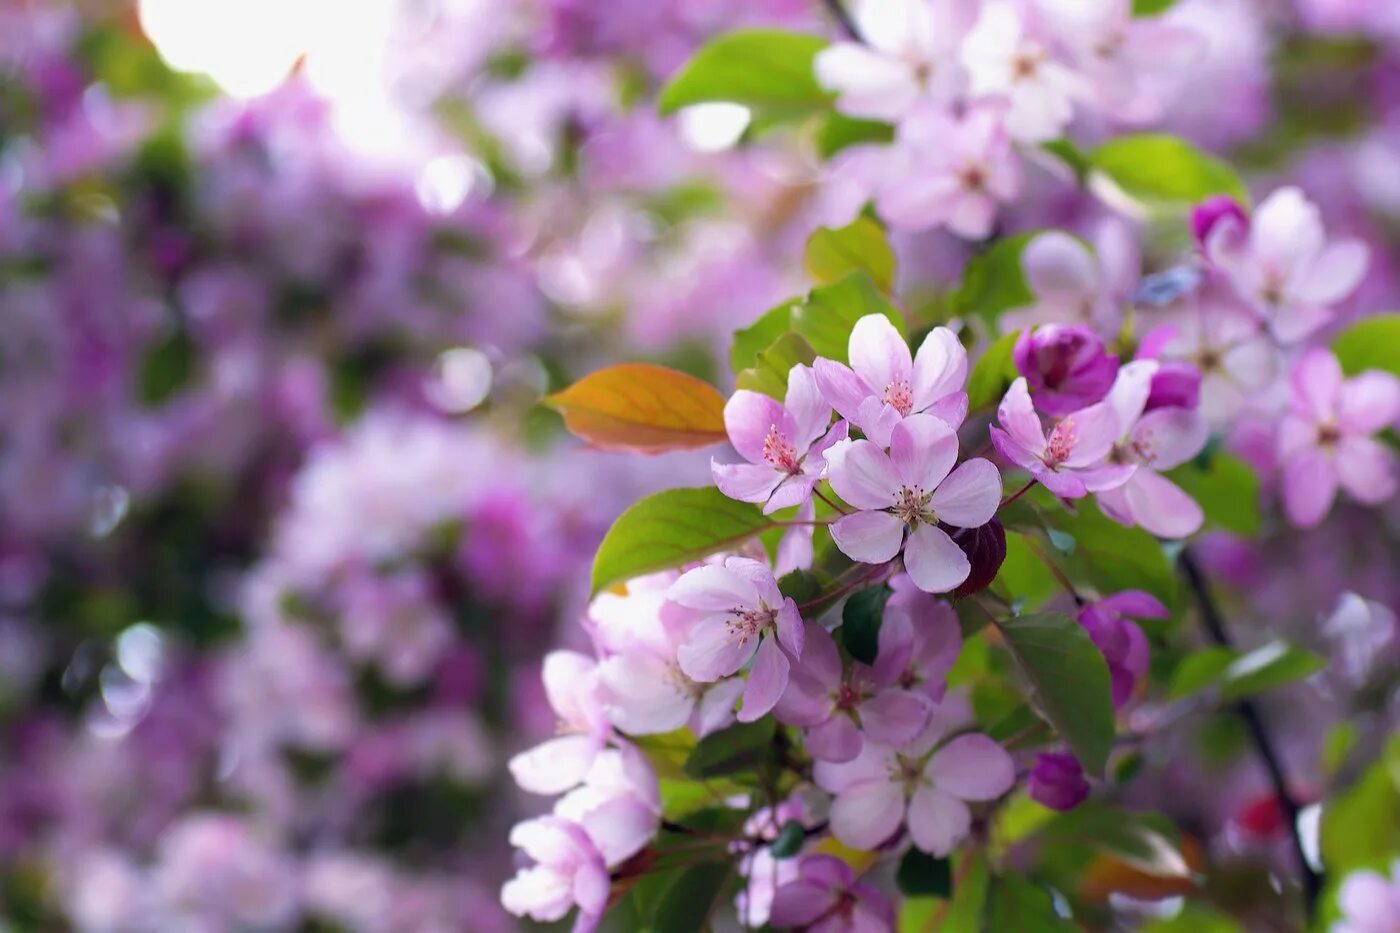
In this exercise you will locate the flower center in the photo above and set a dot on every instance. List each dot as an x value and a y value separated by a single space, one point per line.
1328 436
748 623
1025 64
911 506
973 178
1272 290
906 772
780 452
1061 443
848 696
899 396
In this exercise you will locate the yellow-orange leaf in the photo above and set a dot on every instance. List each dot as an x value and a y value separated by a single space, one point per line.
1107 875
641 407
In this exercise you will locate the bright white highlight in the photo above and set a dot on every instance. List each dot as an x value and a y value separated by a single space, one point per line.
247 47
461 380
713 127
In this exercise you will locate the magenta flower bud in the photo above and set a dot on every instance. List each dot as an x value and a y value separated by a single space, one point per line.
1057 781
1065 366
1208 216
1174 385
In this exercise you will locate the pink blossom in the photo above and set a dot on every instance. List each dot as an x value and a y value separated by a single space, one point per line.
840 710
1057 781
1005 58
1155 441
946 170
886 787
1131 64
1071 461
618 805
557 764
908 54
644 690
1119 639
885 384
1073 286
1369 901
912 487
1065 367
1284 267
743 617
919 642
825 897
1325 439
783 443
569 871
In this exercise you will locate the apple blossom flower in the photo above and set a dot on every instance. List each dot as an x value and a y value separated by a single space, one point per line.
1284 267
841 710
569 872
557 764
1005 58
1221 221
1174 385
1361 631
618 805
1131 64
643 688
743 616
1071 461
885 384
886 787
1154 441
1057 781
919 641
1369 901
1072 285
1121 642
825 897
1325 439
946 169
783 443
912 487
1065 366
908 54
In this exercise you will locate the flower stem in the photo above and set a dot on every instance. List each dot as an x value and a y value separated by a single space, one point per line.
836 506
1259 736
1017 494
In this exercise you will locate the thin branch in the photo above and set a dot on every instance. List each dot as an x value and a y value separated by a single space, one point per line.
1054 569
836 506
1258 733
843 19
1017 494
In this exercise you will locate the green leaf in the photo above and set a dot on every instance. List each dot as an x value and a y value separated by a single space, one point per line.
1074 158
1069 681
672 528
1201 669
837 131
1162 171
742 747
992 374
1372 343
1361 825
1113 557
692 899
1152 7
789 840
166 368
860 246
860 622
921 874
1147 842
830 312
993 280
801 586
750 341
769 373
1015 903
768 70
1273 665
1226 489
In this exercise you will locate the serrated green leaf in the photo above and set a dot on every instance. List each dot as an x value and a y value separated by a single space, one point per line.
830 312
672 528
768 70
1069 682
1371 343
860 622
860 246
1162 171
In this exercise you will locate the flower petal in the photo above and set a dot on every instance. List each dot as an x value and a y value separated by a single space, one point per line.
879 354
940 368
969 497
810 413
746 482
1161 506
1368 402
555 765
1334 274
937 821
862 474
1017 417
1309 486
749 416
922 450
767 680
1366 468
1317 383
972 767
711 651
1095 430
893 717
866 814
934 561
869 537
841 387
1060 269
1168 437
868 83
713 588
836 740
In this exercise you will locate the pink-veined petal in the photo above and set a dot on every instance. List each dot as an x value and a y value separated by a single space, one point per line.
868 83
1059 268
1368 402
1309 486
1019 455
841 387
933 561
793 490
937 821
767 680
866 814
1017 417
713 588
1317 383
1095 430
940 368
641 695
810 412
749 416
862 474
1168 437
746 482
716 707
969 497
555 765
1128 397
869 537
923 450
1366 469
1162 507
1334 274
711 651
972 767
1109 476
837 739
879 354
792 634
893 717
